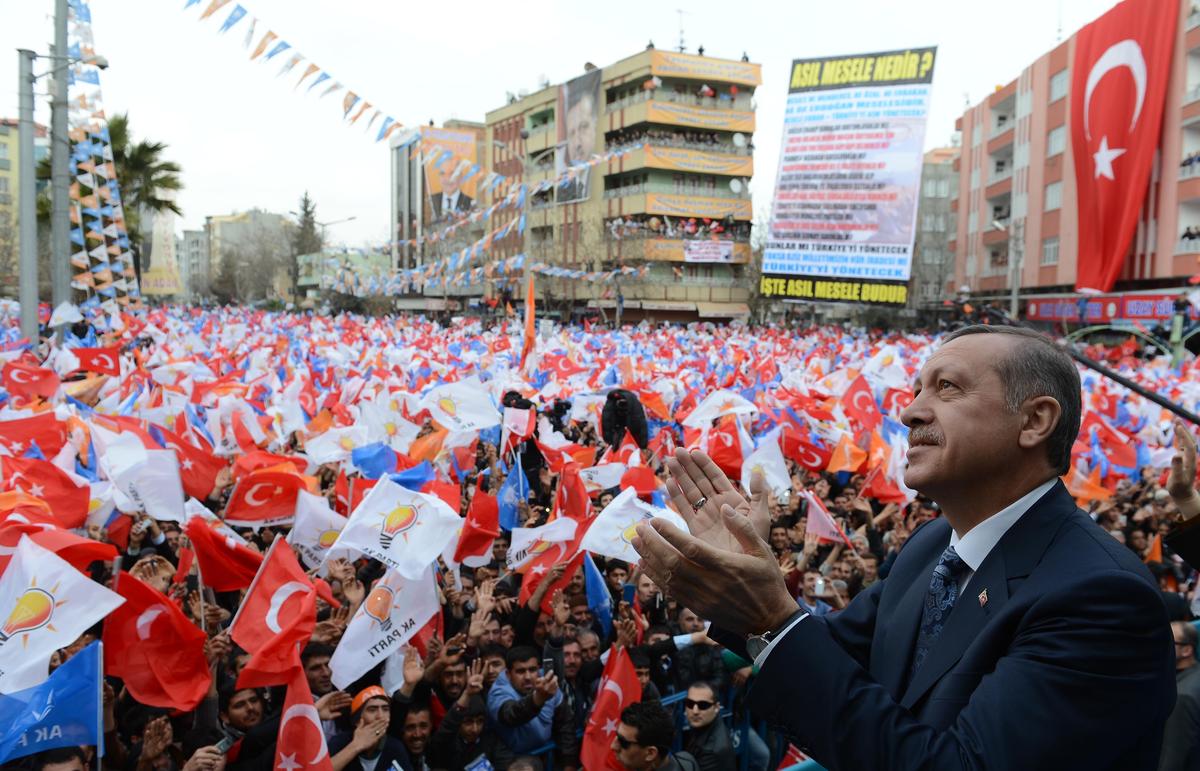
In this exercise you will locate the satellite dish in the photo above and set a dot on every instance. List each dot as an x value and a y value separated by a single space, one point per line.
739 139
735 185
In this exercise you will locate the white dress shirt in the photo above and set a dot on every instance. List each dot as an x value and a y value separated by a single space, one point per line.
972 548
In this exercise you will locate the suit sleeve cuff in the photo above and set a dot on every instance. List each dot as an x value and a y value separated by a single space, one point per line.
762 657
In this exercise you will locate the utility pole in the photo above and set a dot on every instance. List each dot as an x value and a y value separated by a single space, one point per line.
60 222
1016 250
27 200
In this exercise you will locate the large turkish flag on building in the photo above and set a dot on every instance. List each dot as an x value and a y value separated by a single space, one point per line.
1118 87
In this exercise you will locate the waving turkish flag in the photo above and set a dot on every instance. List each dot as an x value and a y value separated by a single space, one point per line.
859 404
45 429
155 650
480 529
198 468
106 361
301 744
28 380
266 497
225 564
276 618
42 479
1118 86
619 687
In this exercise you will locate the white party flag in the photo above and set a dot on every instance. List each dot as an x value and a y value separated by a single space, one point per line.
523 546
767 458
393 612
45 604
315 529
611 533
404 530
462 406
336 444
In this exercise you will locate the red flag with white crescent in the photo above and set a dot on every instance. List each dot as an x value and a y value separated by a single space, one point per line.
1118 88
106 361
301 743
276 618
619 687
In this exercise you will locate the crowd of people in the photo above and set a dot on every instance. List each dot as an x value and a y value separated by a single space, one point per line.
516 663
664 137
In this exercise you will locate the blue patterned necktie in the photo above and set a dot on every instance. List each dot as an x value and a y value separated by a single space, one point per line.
939 601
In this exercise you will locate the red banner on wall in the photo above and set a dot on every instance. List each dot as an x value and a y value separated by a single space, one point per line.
1118 86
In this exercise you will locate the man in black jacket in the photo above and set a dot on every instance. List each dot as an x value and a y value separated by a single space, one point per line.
462 737
708 741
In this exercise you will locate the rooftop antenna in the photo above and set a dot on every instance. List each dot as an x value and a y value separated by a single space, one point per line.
682 47
1058 37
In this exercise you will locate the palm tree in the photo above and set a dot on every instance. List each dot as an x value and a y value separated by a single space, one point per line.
142 175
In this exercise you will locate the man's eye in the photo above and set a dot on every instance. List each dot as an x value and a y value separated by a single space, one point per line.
942 384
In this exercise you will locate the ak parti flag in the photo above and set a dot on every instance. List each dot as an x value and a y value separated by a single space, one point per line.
276 618
619 687
155 650
847 456
1119 85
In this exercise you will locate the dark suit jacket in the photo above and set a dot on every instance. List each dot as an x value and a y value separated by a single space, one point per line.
1069 663
1184 540
1181 741
462 204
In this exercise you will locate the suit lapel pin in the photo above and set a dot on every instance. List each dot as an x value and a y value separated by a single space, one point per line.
983 598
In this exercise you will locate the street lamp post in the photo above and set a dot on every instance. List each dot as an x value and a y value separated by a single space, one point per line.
27 196
60 221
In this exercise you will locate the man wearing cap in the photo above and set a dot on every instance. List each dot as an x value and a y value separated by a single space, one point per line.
369 747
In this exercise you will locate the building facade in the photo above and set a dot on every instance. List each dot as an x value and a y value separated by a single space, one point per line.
193 263
1016 205
679 205
254 237
10 171
933 259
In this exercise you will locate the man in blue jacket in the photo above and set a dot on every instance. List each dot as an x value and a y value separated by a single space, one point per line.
527 709
1011 633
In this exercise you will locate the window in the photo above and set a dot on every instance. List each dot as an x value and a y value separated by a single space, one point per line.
3 185
943 188
927 222
3 150
972 222
976 133
1050 251
1053 196
974 179
1058 85
939 223
1056 141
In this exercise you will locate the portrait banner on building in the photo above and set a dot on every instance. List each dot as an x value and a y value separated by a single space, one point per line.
850 172
451 173
579 102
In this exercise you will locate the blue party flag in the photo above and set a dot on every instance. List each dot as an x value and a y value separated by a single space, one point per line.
598 599
374 460
64 711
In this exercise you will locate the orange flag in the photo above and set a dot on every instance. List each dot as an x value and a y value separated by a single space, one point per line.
1155 553
847 456
1086 489
530 334
427 447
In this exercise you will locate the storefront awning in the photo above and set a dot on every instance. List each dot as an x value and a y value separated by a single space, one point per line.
722 310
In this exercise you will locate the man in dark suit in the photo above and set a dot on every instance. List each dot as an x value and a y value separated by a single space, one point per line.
451 198
1011 633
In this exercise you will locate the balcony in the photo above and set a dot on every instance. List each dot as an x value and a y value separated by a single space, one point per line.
739 102
1192 95
684 111
714 161
1190 170
654 248
1193 20
670 189
994 236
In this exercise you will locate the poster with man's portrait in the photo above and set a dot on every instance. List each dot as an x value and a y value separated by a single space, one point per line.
451 194
579 101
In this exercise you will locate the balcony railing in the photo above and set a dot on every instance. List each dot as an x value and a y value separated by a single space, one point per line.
999 129
1192 95
1190 170
740 102
1193 20
999 176
666 188
1187 246
679 142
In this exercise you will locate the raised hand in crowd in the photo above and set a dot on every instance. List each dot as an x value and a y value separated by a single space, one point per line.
334 703
156 739
206 759
1181 481
414 670
474 683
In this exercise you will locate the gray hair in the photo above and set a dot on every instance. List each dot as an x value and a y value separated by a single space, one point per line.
1038 367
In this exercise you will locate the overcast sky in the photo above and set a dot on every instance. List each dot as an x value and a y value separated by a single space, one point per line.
246 139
